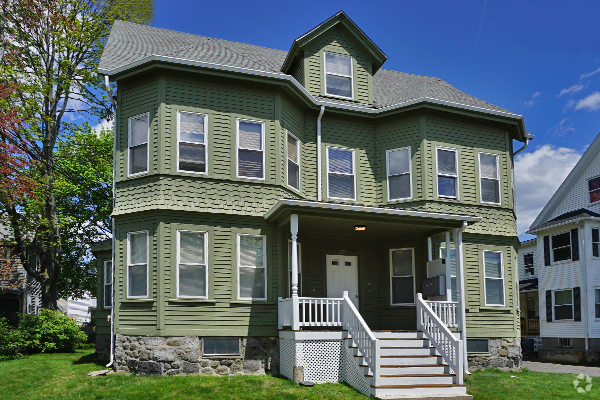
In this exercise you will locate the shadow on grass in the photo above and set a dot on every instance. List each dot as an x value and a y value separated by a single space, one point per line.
90 359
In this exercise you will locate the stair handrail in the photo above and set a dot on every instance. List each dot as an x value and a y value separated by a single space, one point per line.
451 349
368 345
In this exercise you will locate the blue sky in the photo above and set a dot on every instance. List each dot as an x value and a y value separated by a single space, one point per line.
540 59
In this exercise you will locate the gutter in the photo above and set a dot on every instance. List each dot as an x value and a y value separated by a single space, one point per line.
528 137
319 172
561 223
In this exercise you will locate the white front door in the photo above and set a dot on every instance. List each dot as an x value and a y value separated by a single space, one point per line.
342 274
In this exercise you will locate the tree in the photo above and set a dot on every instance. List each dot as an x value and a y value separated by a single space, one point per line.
49 73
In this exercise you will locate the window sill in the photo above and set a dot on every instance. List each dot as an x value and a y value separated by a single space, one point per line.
495 308
137 301
334 96
191 301
251 302
404 305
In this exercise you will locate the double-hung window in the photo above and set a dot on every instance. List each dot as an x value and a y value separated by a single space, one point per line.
489 181
493 272
250 149
192 142
402 276
252 267
293 162
563 304
597 303
528 264
139 130
595 242
398 174
594 189
108 284
192 266
341 176
447 172
453 284
561 247
137 264
338 75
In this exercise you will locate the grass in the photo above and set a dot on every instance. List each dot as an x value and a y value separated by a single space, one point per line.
63 376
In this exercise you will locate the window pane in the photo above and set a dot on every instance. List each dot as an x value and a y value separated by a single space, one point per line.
493 268
192 280
402 290
488 166
446 186
597 310
191 127
251 250
250 135
595 235
594 196
252 282
594 184
138 159
211 346
191 157
489 191
399 162
454 289
402 262
292 149
138 130
340 161
563 312
341 186
108 296
339 86
399 186
250 164
191 247
494 291
596 249
563 297
137 247
338 64
528 259
108 272
562 254
597 291
293 175
562 240
446 162
138 280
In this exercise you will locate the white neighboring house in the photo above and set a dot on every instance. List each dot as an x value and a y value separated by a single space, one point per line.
568 265
529 296
80 309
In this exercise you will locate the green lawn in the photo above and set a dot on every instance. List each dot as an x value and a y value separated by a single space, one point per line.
63 376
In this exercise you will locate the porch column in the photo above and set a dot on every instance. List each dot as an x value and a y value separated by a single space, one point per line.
460 287
295 302
448 268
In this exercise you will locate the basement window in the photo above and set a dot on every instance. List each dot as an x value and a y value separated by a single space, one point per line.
478 346
565 342
221 347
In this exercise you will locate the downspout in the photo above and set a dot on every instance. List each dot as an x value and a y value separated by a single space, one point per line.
461 290
112 309
583 256
528 137
319 173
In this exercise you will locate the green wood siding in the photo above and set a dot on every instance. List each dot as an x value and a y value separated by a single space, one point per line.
102 314
298 72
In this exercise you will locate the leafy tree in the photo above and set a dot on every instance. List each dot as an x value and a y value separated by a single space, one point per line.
47 75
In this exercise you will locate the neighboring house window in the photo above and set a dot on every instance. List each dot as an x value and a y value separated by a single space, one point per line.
192 268
139 130
594 188
293 162
251 143
252 267
561 247
453 285
137 264
489 178
219 346
299 268
596 242
447 173
493 271
108 284
340 174
398 174
528 264
402 271
597 302
192 142
563 304
338 75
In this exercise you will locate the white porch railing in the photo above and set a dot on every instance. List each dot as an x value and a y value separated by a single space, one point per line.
451 349
446 311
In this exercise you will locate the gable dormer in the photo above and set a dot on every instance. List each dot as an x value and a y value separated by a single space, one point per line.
336 59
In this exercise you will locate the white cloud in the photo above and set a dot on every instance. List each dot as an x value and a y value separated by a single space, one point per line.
537 176
592 102
534 96
102 125
588 74
572 89
563 128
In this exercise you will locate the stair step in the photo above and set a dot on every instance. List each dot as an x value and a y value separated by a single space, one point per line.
404 342
415 369
399 334
408 351
412 360
383 391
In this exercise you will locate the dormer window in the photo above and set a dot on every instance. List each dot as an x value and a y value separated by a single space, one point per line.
338 75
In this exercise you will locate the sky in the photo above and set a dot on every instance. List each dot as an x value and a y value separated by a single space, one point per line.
540 59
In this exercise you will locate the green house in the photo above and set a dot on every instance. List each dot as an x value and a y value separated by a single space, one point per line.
291 212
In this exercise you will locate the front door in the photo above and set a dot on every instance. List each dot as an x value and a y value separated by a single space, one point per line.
342 274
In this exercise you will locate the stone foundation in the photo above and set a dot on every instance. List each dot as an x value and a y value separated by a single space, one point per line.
504 354
103 347
155 355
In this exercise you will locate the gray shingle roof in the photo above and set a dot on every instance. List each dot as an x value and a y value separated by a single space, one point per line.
129 42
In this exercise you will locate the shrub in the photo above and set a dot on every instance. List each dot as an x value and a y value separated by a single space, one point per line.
50 331
10 341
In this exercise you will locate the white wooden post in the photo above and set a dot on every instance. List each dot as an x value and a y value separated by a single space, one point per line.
295 302
429 249
460 287
448 269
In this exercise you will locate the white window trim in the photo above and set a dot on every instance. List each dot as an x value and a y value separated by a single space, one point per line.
205 263
594 302
325 73
299 269
532 265
108 281
353 175
497 179
572 305
147 114
387 168
589 201
237 148
147 264
570 259
205 125
413 276
287 172
485 278
592 242
264 239
437 173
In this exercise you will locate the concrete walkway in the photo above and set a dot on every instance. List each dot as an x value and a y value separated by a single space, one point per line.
560 368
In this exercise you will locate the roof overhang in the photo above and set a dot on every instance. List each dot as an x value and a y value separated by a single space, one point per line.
559 223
